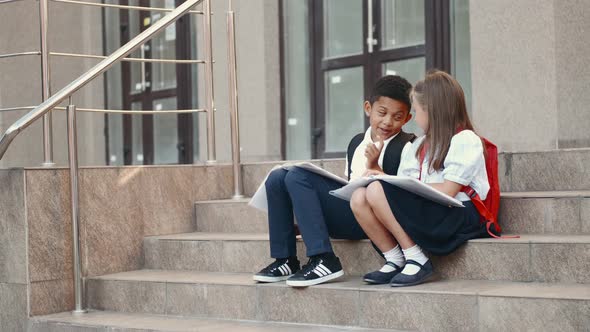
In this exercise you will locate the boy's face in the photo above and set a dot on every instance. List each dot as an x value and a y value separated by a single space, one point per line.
387 117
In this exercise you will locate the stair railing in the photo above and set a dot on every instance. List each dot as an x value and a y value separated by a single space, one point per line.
120 54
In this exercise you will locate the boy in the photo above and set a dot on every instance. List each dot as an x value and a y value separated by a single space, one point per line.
321 215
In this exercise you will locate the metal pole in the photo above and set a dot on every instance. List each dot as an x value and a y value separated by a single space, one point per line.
45 87
209 82
233 102
75 208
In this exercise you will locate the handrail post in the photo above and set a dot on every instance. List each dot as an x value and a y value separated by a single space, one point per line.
45 86
75 208
210 107
232 71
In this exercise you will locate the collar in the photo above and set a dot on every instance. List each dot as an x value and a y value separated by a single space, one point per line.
368 138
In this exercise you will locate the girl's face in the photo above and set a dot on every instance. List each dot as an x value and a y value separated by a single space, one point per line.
421 115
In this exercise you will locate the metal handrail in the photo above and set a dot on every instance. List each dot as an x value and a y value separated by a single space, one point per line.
11 55
7 1
89 56
101 67
107 5
98 110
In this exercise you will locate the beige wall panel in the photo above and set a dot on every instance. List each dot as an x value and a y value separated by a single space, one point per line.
514 73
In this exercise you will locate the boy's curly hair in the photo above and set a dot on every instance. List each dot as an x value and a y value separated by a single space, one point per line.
394 87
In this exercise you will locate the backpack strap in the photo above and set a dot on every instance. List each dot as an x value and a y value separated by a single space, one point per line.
392 157
354 143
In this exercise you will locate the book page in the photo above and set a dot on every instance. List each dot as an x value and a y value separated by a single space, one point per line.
410 184
259 200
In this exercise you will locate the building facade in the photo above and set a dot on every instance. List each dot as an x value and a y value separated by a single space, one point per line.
304 69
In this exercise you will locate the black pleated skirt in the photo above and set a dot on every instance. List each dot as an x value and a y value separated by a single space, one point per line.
437 228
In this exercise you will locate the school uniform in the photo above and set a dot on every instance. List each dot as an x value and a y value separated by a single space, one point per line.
305 195
437 228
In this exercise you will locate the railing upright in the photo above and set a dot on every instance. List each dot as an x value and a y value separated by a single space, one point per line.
232 71
209 95
45 85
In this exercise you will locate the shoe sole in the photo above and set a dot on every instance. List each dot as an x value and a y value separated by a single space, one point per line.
305 283
374 282
270 279
423 280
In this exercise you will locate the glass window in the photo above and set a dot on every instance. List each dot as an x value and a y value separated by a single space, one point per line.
402 23
165 132
344 107
343 27
296 79
413 71
163 47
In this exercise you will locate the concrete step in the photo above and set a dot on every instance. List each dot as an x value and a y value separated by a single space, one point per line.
538 258
563 169
437 305
551 212
229 216
107 321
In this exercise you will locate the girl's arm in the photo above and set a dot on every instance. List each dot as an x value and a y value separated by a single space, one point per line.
448 187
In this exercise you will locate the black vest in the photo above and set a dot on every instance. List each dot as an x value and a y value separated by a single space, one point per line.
393 151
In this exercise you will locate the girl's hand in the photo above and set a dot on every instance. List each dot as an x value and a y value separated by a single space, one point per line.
371 172
372 153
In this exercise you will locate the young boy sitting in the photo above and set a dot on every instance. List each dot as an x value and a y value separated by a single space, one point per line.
321 215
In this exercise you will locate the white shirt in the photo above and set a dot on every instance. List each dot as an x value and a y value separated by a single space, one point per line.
464 164
359 161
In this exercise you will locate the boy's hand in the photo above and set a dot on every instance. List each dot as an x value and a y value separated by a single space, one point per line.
372 153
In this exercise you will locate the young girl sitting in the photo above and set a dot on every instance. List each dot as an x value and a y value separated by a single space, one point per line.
452 157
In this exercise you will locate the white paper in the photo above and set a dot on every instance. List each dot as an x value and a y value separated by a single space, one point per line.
259 200
404 182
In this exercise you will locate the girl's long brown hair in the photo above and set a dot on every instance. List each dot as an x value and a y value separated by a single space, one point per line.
441 96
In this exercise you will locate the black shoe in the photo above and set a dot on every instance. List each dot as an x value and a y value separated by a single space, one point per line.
279 270
379 278
425 272
318 269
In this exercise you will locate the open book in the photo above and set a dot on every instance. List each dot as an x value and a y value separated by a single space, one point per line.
404 182
259 201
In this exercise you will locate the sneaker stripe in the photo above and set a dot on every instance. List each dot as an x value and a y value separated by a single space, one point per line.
283 270
319 272
324 268
288 269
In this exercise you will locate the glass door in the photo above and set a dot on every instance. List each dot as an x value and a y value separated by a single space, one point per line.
355 43
158 138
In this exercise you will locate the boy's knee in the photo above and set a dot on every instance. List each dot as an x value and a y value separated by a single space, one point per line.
294 176
358 199
276 177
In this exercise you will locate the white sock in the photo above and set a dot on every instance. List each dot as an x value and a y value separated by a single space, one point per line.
414 253
395 256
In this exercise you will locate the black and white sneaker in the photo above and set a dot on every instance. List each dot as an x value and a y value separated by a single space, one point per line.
279 270
319 269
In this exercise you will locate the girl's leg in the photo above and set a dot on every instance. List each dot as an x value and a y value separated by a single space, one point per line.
372 226
418 267
380 236
378 202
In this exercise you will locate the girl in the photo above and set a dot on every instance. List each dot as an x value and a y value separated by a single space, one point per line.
452 157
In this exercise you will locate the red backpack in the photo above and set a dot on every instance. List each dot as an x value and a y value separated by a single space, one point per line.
488 208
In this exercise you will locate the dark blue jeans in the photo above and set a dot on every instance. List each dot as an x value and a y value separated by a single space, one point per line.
319 214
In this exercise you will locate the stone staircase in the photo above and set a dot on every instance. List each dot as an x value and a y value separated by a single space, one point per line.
203 280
